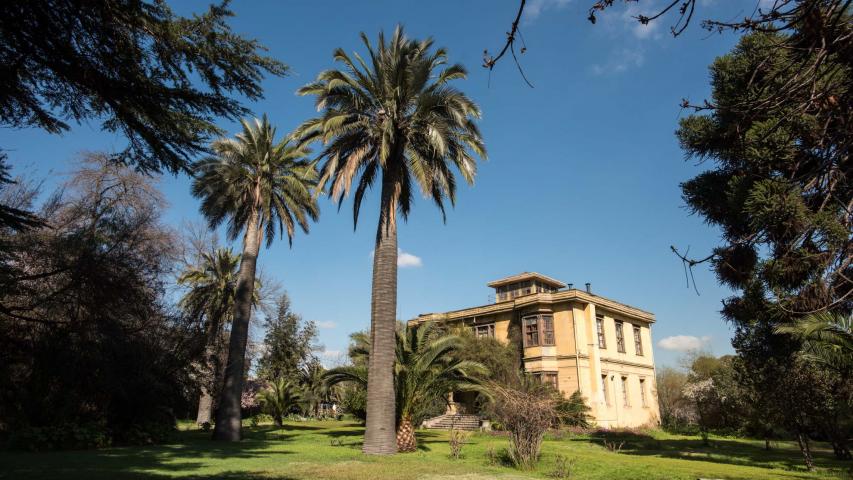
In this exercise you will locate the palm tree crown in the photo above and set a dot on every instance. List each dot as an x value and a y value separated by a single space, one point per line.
253 174
279 399
212 285
396 117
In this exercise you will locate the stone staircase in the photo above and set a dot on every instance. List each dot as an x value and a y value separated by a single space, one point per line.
453 421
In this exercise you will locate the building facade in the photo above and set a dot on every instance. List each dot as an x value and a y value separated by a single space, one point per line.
574 340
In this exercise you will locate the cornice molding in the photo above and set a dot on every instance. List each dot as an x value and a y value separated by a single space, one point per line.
540 300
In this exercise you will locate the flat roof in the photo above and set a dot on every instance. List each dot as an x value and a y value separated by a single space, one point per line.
526 276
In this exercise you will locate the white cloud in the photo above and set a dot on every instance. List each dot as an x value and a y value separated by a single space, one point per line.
407 260
534 8
327 324
620 61
332 358
683 343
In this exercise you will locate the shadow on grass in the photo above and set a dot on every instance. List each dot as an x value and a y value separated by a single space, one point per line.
298 427
717 450
184 455
429 438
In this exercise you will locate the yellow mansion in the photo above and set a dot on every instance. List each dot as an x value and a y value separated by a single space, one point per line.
574 340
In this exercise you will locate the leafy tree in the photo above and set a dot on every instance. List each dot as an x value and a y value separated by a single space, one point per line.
289 344
255 184
89 344
353 399
393 119
280 399
502 360
675 410
159 79
427 367
212 288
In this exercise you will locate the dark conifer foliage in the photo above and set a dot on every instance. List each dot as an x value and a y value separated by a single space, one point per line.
157 78
780 189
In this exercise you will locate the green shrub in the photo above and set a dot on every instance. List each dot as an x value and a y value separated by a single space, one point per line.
354 401
261 418
62 436
147 433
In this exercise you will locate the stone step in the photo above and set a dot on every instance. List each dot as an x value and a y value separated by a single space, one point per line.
458 422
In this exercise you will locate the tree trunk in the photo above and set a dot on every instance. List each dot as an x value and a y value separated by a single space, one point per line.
205 397
228 421
805 449
406 440
379 436
840 449
205 404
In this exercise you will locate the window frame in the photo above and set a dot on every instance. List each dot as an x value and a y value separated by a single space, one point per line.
599 330
548 377
638 340
489 329
527 332
604 389
620 336
545 337
625 397
546 334
643 399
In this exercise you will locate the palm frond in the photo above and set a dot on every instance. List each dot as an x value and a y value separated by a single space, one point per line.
393 114
253 173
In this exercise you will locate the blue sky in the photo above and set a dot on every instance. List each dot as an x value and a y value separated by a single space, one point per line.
582 180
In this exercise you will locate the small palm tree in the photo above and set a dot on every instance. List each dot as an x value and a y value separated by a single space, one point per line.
315 390
212 286
259 187
280 399
827 338
425 371
395 121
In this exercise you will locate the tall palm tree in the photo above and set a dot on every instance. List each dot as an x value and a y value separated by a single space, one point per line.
258 186
827 339
396 120
212 286
427 367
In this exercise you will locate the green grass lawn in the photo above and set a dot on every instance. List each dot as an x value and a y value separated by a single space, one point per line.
311 450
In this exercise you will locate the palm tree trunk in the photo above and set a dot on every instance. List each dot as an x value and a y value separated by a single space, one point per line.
228 421
406 440
380 436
